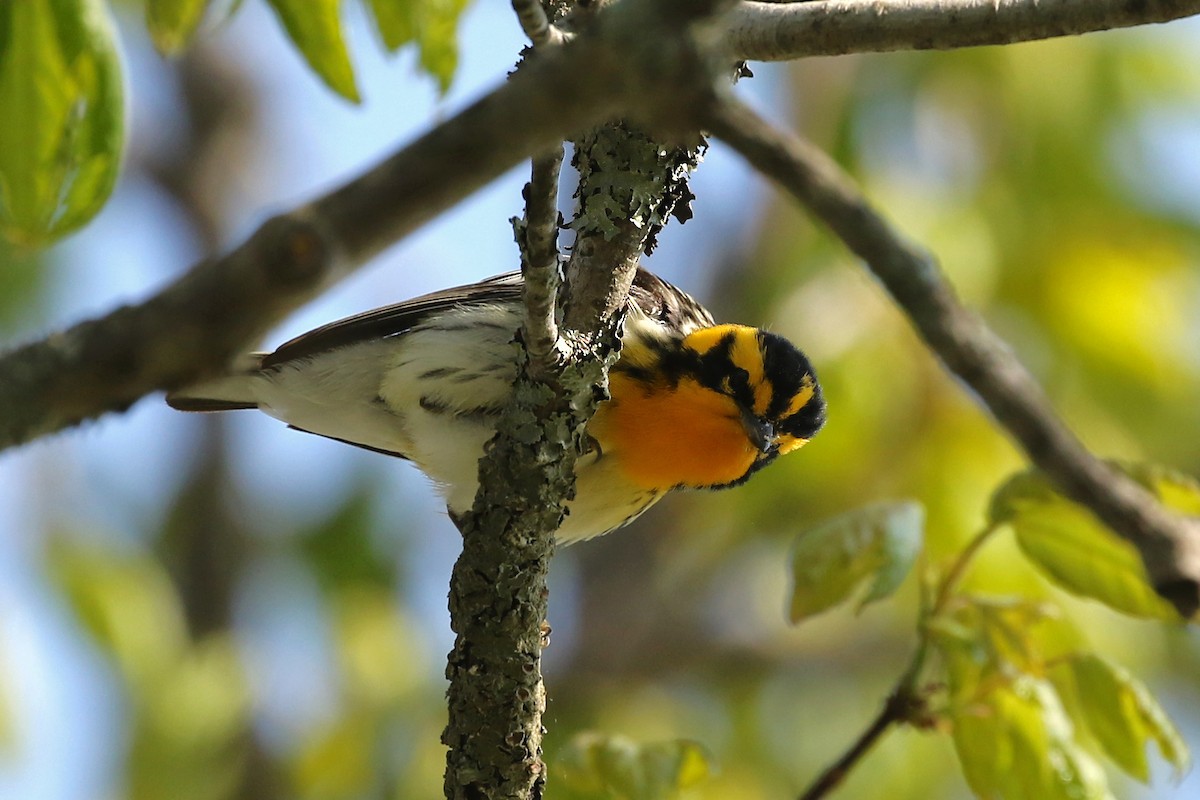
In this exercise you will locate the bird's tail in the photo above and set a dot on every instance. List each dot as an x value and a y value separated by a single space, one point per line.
228 392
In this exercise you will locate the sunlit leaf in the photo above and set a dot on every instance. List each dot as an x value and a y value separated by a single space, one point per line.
1176 490
61 98
431 24
1124 717
986 639
191 727
439 39
1015 742
315 27
127 602
876 544
380 654
1070 546
396 21
338 760
618 767
1007 624
172 23
205 697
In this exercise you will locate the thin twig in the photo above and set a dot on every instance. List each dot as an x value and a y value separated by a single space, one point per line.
784 31
1169 545
958 569
536 24
901 705
537 236
906 702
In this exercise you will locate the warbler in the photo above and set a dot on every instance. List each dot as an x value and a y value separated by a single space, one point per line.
693 403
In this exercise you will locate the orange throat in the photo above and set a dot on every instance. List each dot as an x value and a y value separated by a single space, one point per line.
664 437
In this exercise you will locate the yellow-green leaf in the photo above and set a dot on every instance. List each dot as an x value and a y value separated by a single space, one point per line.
439 39
315 27
1177 491
431 24
172 23
396 21
620 767
877 543
1070 546
1124 717
62 99
1015 742
127 603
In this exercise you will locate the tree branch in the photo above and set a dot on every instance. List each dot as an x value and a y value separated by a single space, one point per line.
537 237
197 324
1169 545
783 31
498 591
536 24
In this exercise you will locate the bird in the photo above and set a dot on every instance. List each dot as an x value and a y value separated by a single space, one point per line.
692 404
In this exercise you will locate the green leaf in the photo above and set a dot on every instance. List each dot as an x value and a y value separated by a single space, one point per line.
61 92
987 639
340 551
1016 742
439 39
1124 717
431 24
1177 491
127 603
315 27
614 766
1070 546
172 23
396 20
878 543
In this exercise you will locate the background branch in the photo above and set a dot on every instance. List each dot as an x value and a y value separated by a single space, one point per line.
785 31
210 314
1169 545
628 61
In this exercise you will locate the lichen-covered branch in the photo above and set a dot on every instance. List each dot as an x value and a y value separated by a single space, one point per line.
498 588
536 24
1169 544
759 31
537 237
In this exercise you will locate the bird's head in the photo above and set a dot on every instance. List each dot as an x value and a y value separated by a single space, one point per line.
710 410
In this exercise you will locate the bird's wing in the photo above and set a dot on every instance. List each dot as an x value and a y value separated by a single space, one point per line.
394 319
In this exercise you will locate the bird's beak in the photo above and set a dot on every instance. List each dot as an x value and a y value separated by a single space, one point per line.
759 431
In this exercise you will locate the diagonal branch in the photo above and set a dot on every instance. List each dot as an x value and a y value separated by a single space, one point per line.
784 31
1169 545
198 323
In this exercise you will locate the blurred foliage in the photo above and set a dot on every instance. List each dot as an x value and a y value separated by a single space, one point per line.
1033 172
602 767
62 95
61 76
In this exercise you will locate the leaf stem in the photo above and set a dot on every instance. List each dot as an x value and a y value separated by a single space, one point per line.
906 702
958 569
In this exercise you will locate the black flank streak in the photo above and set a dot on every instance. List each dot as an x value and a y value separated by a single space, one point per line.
481 414
439 372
